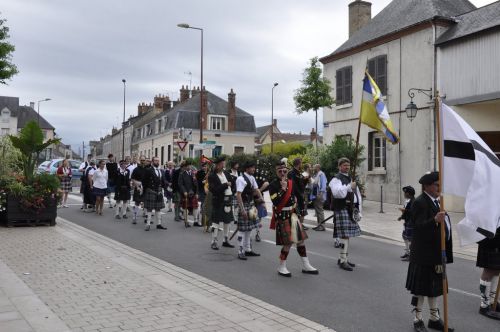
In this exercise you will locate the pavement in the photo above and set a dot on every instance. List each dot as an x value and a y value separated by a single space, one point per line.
69 278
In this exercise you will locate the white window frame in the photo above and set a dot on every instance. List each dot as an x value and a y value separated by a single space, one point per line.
238 146
379 153
213 117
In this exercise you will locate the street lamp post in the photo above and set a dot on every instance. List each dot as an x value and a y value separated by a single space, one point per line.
272 116
123 123
38 110
411 109
187 26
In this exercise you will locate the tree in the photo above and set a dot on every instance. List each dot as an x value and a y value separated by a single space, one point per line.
7 68
314 93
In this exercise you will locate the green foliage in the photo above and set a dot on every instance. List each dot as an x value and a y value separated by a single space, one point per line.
315 90
10 156
265 164
7 68
340 147
284 149
30 143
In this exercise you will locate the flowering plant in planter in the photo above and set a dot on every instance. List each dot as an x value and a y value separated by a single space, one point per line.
32 193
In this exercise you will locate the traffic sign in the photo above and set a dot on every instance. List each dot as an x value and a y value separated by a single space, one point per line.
209 142
182 144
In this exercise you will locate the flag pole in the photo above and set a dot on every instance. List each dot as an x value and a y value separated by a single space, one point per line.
437 107
357 139
496 297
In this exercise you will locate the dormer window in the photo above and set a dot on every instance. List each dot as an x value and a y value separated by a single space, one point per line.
5 115
217 123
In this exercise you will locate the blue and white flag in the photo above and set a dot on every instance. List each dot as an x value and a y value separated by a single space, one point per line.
470 170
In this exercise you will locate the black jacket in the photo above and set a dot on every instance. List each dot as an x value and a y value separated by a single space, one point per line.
426 242
151 180
167 179
187 184
217 188
299 186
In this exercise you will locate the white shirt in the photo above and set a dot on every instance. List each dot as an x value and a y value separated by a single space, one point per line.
99 178
157 171
82 167
340 191
241 183
223 180
131 167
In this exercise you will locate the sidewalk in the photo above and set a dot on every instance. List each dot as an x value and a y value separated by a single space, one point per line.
67 278
386 225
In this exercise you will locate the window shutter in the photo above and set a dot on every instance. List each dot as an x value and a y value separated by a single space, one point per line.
370 151
339 88
382 74
371 68
384 153
348 85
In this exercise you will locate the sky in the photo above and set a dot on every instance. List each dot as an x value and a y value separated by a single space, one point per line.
77 53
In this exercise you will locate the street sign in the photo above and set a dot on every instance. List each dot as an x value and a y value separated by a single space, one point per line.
209 142
182 145
203 146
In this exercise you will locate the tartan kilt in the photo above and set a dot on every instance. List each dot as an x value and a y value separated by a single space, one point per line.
284 232
138 198
66 184
153 200
407 231
344 226
192 202
246 225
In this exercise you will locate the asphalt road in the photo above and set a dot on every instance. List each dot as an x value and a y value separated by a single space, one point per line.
371 298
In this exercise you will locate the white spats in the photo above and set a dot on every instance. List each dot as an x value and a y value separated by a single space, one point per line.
344 245
282 270
484 289
307 267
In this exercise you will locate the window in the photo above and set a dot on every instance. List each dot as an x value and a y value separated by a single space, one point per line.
5 131
239 150
347 137
165 123
344 86
5 115
217 151
217 123
492 139
191 151
376 151
159 126
377 67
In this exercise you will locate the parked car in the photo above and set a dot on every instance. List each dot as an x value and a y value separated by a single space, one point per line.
50 166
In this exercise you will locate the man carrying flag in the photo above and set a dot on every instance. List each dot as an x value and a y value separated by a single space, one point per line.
473 172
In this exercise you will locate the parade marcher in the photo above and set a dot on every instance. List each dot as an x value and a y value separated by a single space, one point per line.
221 187
234 172
299 185
88 195
289 229
409 193
167 184
319 193
122 190
64 174
131 165
246 188
188 189
425 270
99 185
176 193
201 178
261 206
488 258
83 179
137 177
153 194
307 173
112 168
346 202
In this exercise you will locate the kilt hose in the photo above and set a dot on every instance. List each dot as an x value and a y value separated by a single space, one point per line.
250 223
153 200
344 226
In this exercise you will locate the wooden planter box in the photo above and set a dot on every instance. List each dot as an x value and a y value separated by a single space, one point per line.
17 215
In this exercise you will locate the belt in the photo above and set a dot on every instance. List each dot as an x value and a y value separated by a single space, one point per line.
288 208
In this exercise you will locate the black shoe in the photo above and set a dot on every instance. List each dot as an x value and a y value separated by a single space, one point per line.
145 221
227 244
497 309
288 275
197 224
214 246
438 325
134 221
160 226
117 217
345 266
405 255
148 227
177 219
405 259
169 210
419 326
310 271
187 225
124 216
349 263
488 312
242 256
251 254
257 237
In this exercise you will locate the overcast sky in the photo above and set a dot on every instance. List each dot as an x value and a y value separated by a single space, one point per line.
77 52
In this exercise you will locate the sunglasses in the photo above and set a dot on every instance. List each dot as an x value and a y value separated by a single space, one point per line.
283 171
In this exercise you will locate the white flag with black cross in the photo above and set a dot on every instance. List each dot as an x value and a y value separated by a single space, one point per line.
470 170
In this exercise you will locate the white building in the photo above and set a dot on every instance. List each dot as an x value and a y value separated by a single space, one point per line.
425 44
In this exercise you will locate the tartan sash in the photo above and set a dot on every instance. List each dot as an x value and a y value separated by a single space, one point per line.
281 205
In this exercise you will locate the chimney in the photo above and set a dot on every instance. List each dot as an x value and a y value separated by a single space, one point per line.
360 13
313 135
32 104
195 91
162 103
184 94
231 110
142 108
